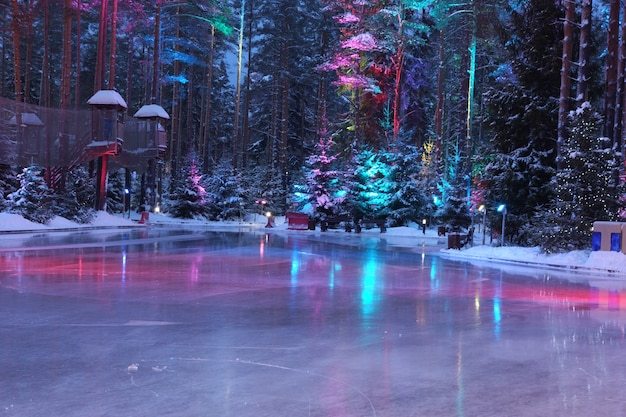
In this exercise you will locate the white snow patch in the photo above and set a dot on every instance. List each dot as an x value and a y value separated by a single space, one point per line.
601 260
107 98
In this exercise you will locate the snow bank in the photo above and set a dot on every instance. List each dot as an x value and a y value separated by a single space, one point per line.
602 260
15 223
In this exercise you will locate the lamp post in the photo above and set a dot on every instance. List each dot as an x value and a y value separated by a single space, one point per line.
484 210
124 198
502 209
424 226
270 220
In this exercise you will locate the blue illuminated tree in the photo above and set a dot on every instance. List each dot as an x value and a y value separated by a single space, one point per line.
372 189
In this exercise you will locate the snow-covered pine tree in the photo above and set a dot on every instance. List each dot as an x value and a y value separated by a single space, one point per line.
373 188
33 199
585 188
8 185
76 202
188 197
224 193
520 117
323 186
115 191
409 202
453 209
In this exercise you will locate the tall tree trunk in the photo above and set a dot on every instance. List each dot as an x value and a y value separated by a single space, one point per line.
17 60
175 152
102 36
471 72
78 54
611 69
156 56
29 52
206 114
619 103
320 113
245 132
113 51
565 91
274 117
66 62
461 118
236 141
44 94
398 63
66 67
438 122
622 113
284 119
582 85
190 132
129 66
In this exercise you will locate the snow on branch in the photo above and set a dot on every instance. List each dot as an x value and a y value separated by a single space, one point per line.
360 42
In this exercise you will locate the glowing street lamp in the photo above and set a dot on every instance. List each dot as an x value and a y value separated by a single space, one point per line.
502 209
124 202
484 210
270 219
424 226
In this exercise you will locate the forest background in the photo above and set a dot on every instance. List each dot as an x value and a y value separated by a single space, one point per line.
398 109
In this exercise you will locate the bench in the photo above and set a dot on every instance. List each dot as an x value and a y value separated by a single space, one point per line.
457 240
297 221
468 238
369 223
442 230
334 222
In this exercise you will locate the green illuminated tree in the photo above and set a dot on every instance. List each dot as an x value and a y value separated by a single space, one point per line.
373 188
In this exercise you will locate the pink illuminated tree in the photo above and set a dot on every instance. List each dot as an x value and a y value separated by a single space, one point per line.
351 63
324 193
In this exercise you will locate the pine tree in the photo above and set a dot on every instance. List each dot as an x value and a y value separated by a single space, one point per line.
521 116
224 193
76 202
8 185
33 199
115 192
323 186
453 207
409 201
188 198
373 188
585 190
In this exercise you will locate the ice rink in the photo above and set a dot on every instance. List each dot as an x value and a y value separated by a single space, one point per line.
162 322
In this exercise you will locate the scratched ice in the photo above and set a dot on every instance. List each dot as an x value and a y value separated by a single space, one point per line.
172 323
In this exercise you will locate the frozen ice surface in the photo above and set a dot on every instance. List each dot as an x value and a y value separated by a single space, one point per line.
179 323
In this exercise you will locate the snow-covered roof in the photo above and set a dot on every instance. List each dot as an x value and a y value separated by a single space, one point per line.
107 98
151 110
28 119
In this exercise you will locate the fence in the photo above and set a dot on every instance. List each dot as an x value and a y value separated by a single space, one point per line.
61 139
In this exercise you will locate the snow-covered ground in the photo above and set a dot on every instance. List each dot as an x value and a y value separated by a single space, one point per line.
609 262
